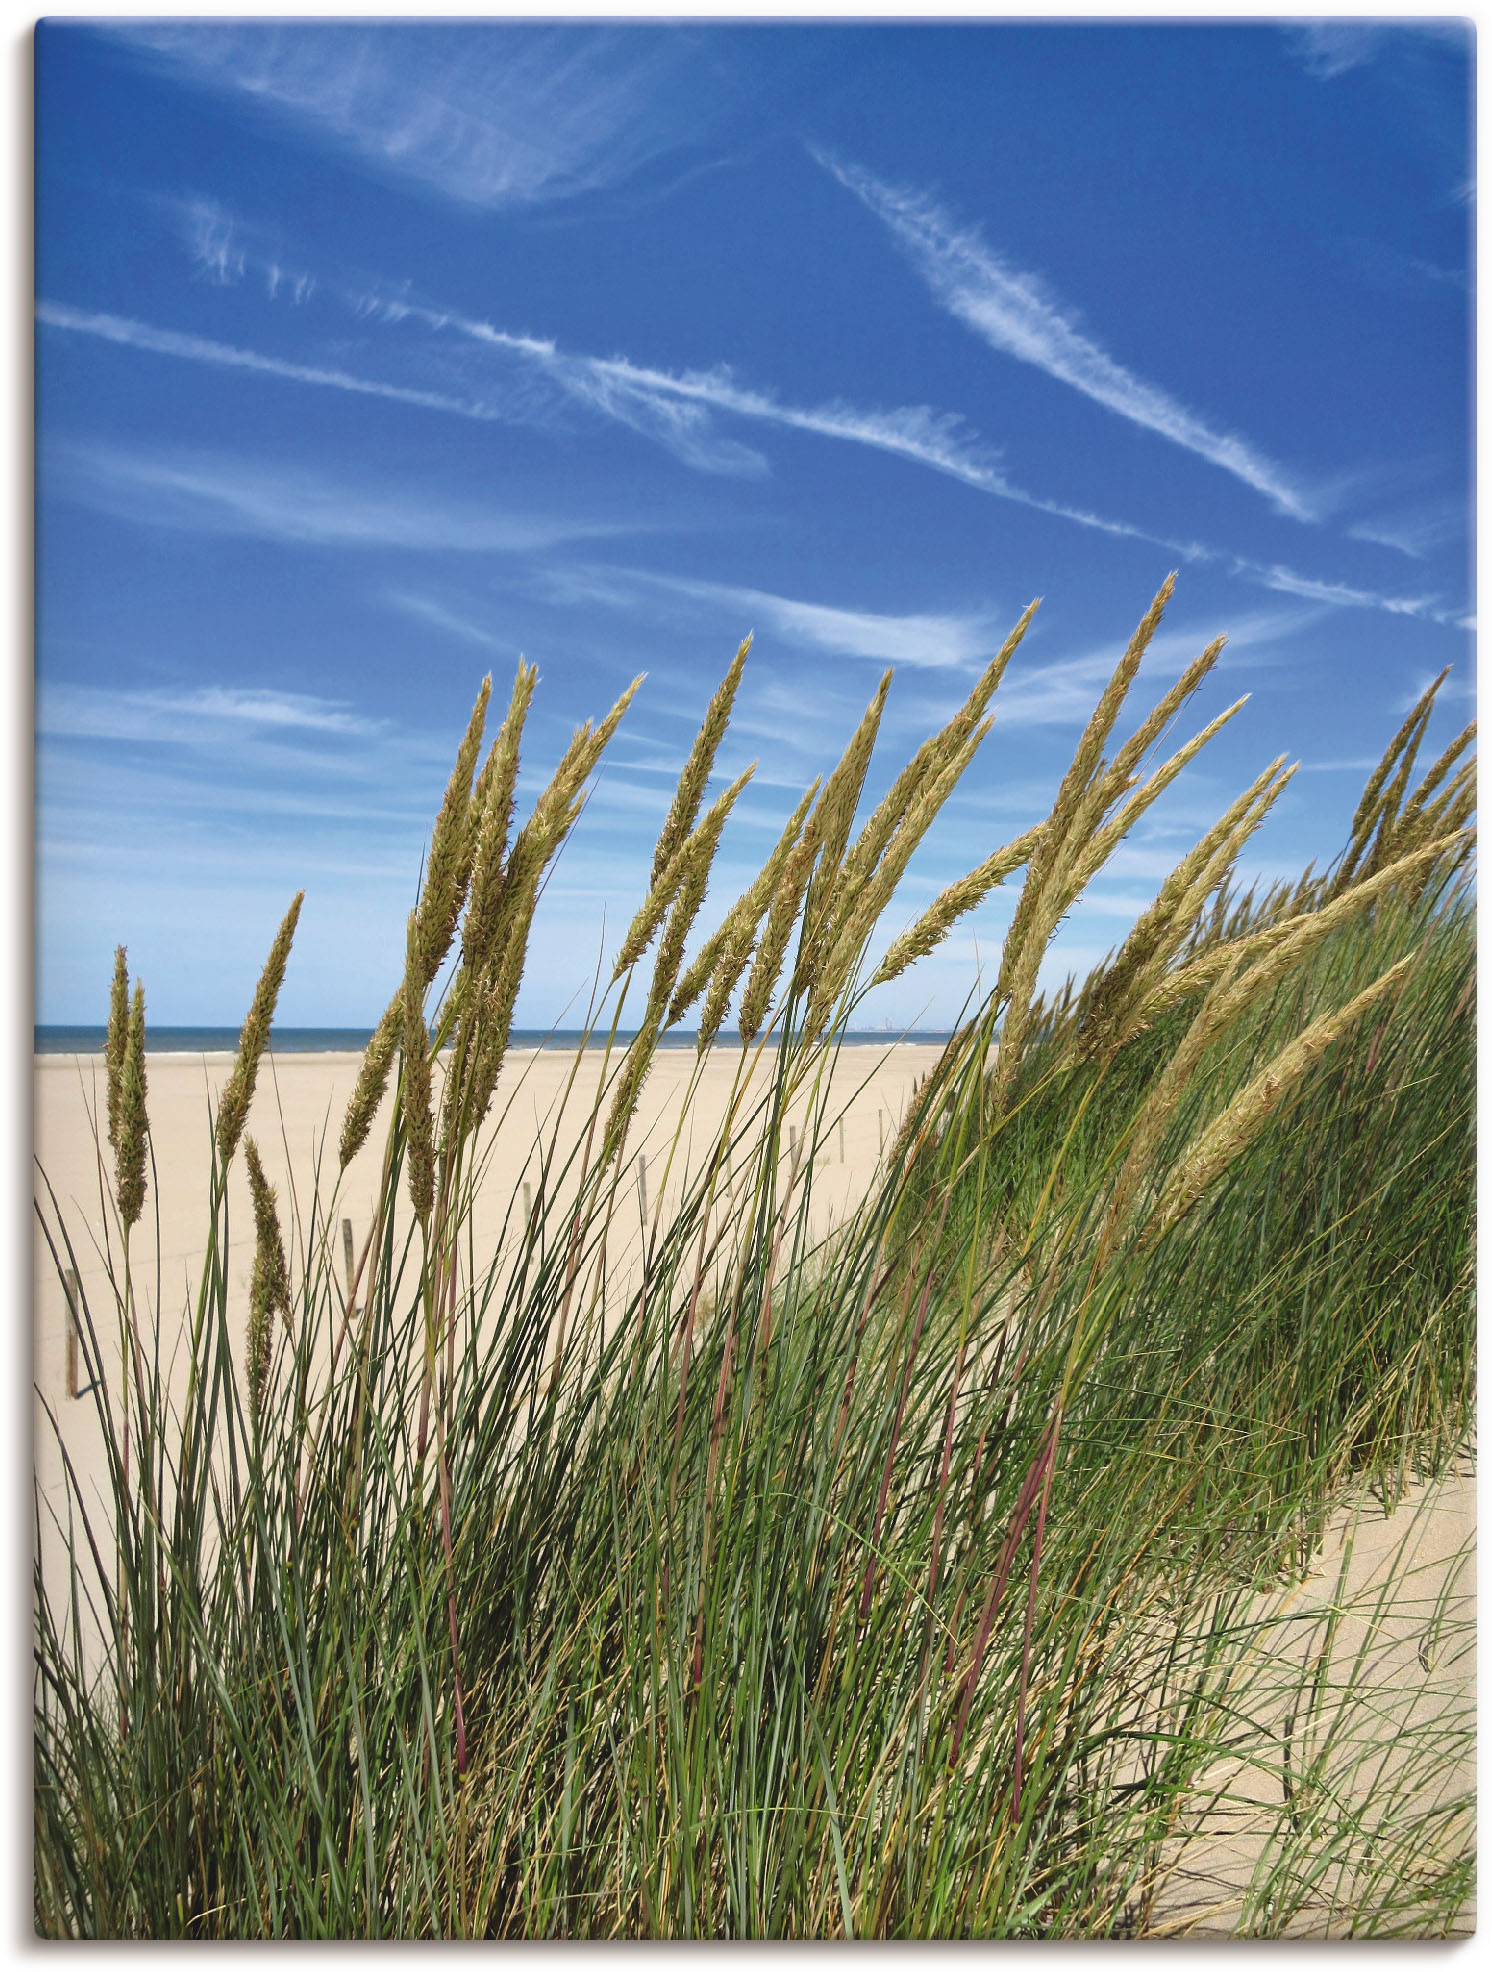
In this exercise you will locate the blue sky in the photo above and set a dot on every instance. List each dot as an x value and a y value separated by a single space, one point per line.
371 355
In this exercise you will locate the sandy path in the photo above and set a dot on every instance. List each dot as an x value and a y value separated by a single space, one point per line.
1359 1690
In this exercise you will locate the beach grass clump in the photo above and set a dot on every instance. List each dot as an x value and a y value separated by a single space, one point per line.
686 1569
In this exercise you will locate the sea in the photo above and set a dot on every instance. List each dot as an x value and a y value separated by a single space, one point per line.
352 1040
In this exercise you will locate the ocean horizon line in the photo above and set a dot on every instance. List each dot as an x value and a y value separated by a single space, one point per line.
61 1038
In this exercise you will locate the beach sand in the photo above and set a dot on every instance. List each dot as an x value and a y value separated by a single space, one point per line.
296 1120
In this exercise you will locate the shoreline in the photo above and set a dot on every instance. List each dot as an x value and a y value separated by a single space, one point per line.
223 1044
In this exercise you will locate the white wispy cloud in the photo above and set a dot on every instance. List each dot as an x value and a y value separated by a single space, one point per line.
677 410
1328 48
1017 313
489 114
426 610
221 494
221 254
955 640
122 329
1345 595
197 716
1416 531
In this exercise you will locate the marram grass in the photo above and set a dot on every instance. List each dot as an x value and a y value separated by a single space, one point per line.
910 1583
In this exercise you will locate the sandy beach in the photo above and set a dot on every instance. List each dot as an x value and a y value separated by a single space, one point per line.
296 1119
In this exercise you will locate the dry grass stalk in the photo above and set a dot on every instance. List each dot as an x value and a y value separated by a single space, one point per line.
1419 712
725 955
650 912
1087 760
1154 724
701 848
695 776
1232 1132
134 1124
372 1080
859 901
1107 838
676 876
1418 801
500 916
448 869
912 779
233 1110
269 1283
1112 1006
761 981
1243 973
1049 888
1282 944
116 1040
492 821
1376 814
694 881
835 815
959 898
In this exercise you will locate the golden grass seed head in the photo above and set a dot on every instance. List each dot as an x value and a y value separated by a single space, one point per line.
959 898
841 795
860 899
629 1086
253 1038
650 913
1107 838
833 818
725 955
694 880
372 1080
1240 972
269 1283
588 745
116 1037
134 1124
667 884
1388 815
1090 746
1437 773
558 807
496 1025
1418 713
723 981
878 831
781 918
1116 1002
1054 877
1230 1134
1454 808
695 777
1155 722
492 821
701 972
448 869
